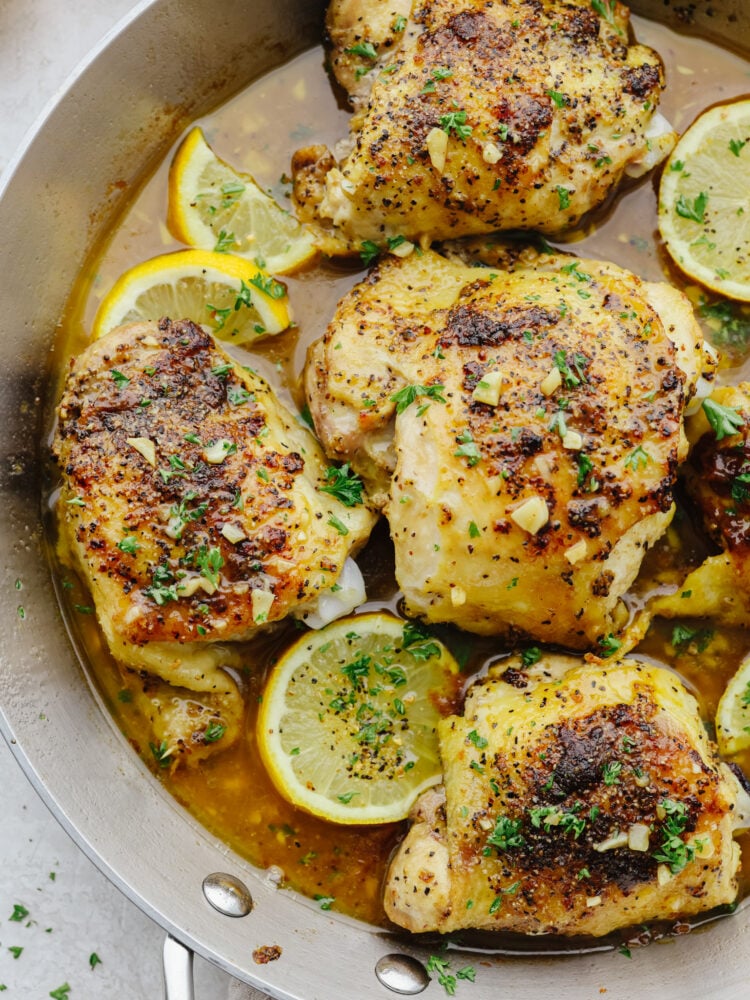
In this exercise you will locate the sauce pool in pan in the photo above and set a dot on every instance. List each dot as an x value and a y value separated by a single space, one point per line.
230 793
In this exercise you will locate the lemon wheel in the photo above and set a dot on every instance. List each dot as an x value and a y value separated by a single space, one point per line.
733 713
230 296
704 201
348 723
213 207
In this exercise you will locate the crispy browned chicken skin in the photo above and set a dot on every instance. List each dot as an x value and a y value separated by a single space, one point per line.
577 800
192 502
527 505
473 116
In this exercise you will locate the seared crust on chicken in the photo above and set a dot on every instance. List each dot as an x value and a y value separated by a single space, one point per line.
522 429
473 116
578 800
717 478
191 498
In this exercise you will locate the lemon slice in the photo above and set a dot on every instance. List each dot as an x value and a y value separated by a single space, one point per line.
348 722
230 296
733 713
213 207
704 201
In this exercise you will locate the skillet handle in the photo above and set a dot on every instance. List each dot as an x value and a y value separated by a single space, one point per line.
178 971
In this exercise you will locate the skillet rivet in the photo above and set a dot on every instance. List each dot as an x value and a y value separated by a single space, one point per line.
227 894
402 974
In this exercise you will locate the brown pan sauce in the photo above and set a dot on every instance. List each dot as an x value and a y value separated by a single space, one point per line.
257 132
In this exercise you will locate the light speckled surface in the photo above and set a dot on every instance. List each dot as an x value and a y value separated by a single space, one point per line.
73 911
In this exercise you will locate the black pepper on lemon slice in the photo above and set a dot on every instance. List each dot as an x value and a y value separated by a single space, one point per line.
348 723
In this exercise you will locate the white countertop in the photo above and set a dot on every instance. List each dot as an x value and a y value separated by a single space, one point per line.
73 911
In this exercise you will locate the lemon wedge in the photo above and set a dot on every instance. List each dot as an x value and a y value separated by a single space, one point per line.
704 201
733 713
348 723
230 296
213 207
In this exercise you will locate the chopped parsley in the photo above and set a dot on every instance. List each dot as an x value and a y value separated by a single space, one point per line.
180 516
225 242
611 772
339 525
579 362
695 209
326 902
366 50
507 834
410 393
163 588
531 656
478 741
119 379
554 818
683 636
209 561
606 9
162 754
674 851
467 449
441 967
94 960
237 395
741 487
19 913
269 286
399 24
214 732
638 458
609 645
725 420
563 197
128 544
343 484
368 252
497 902
419 642
455 121
585 468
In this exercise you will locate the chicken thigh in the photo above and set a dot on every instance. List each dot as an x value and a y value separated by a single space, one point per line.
718 480
521 428
577 800
473 116
193 504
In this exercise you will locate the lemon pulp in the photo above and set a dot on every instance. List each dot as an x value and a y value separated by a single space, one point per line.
232 297
733 713
704 200
348 723
213 207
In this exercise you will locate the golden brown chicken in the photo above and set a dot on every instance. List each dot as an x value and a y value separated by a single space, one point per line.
718 480
196 507
577 800
473 116
522 429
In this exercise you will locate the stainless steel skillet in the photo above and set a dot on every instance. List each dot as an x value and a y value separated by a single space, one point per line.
170 60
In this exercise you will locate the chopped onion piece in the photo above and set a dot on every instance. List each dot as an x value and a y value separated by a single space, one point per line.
332 604
145 447
638 837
